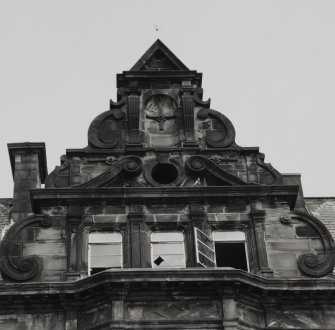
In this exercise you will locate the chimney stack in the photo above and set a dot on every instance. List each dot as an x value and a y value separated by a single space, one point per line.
29 168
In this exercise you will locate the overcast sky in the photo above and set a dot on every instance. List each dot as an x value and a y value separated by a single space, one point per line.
267 65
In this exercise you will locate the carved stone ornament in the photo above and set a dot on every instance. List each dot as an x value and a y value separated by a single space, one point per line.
286 219
130 165
13 265
102 132
223 134
164 173
198 98
60 176
277 177
161 108
199 165
312 264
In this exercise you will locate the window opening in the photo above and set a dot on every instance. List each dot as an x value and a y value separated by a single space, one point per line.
230 249
164 173
167 250
104 251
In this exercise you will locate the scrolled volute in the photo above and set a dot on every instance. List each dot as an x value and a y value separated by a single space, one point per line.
129 165
312 264
199 165
13 265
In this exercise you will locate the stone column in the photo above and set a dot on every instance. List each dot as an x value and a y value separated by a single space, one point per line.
29 168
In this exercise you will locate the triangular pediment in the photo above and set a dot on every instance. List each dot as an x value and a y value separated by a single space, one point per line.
159 58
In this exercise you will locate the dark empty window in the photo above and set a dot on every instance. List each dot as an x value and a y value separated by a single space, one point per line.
230 249
164 173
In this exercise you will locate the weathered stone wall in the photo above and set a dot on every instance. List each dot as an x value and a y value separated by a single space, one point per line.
177 312
19 321
49 246
286 242
5 209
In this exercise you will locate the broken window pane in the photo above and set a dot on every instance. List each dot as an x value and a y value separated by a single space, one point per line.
167 250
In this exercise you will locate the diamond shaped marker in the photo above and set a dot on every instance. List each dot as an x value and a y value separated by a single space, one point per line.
158 261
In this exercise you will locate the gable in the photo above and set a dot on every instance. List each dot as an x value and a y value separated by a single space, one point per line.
159 58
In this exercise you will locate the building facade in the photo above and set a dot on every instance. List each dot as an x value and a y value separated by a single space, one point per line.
162 222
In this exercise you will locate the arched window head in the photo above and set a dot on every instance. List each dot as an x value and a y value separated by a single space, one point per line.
104 251
167 249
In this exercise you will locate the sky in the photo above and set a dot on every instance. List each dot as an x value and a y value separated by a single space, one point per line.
268 65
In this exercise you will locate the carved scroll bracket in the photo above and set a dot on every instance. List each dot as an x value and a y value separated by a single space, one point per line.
12 264
222 137
199 165
312 264
130 165
198 98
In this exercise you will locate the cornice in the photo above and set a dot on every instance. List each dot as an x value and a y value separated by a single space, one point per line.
138 276
65 196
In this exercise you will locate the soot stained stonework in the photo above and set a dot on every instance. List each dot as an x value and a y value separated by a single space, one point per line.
162 222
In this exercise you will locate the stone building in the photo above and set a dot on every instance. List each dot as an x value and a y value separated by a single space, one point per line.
162 222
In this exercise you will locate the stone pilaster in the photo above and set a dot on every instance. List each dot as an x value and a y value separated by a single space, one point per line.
258 219
139 238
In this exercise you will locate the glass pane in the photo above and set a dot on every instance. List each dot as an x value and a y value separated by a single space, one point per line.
167 237
206 251
229 236
201 236
205 262
105 249
168 248
103 237
106 261
170 261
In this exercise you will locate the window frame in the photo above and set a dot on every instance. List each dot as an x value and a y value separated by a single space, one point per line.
152 243
244 240
120 243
